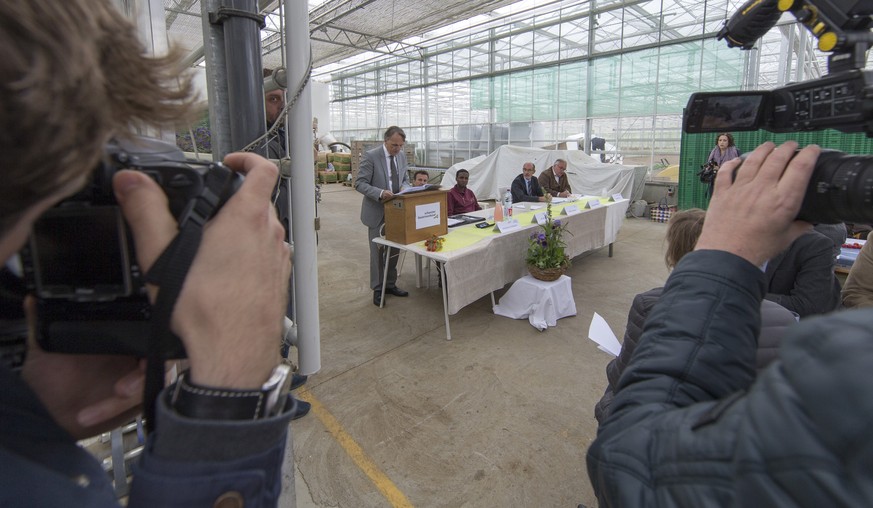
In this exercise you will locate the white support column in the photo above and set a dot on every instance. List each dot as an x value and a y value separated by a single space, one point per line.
299 123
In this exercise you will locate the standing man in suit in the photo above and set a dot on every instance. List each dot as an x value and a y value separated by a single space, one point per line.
554 180
381 175
525 187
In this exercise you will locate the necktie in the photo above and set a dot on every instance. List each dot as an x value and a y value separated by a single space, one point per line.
395 178
528 186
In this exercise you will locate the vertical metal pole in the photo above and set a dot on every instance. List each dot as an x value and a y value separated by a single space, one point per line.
299 124
245 82
216 81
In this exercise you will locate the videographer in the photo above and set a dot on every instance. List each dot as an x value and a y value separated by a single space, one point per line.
689 427
73 75
725 150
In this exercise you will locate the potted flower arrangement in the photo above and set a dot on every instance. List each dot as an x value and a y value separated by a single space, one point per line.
545 258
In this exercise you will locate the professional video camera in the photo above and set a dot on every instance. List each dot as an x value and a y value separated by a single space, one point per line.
80 262
841 187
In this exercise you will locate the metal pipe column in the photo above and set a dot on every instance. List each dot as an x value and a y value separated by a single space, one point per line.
299 123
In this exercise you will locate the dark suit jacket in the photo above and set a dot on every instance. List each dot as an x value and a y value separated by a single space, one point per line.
801 278
373 179
519 190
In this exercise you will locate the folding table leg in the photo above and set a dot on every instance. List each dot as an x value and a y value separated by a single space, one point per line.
445 300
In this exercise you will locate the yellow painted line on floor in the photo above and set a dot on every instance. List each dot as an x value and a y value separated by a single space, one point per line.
354 450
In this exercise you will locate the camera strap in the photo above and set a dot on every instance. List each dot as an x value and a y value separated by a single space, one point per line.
168 273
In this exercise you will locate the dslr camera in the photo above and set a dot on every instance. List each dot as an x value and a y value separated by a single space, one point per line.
80 263
708 171
841 187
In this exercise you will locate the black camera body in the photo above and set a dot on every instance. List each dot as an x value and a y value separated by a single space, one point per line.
841 101
80 262
708 171
841 186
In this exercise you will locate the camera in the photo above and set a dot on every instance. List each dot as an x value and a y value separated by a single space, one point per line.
708 171
841 186
80 263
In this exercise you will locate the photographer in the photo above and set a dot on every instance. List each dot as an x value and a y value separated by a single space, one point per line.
725 150
65 92
689 427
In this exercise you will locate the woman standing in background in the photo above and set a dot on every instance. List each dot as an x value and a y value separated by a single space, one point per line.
724 150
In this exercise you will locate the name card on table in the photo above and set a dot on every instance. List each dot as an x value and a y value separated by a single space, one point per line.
540 218
571 209
506 225
616 197
593 203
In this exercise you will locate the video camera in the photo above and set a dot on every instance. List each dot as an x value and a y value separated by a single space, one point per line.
841 187
80 261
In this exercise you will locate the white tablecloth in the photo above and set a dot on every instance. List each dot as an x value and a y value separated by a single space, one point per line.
542 303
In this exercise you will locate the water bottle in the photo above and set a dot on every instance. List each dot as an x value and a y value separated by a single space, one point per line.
507 204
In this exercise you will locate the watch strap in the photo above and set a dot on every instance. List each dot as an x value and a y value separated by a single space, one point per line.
208 403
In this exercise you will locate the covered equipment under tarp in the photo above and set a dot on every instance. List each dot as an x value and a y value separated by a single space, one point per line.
588 176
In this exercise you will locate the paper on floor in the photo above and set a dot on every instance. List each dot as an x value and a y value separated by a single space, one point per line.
601 334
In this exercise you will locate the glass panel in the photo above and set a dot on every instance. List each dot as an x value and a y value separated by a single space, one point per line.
574 39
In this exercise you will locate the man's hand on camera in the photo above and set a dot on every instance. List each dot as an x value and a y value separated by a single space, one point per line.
85 394
753 216
229 312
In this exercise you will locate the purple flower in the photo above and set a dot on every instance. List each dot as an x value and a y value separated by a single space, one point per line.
557 223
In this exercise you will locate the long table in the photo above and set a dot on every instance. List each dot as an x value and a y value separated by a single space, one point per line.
476 262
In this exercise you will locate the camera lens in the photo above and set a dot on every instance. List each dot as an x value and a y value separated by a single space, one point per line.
840 189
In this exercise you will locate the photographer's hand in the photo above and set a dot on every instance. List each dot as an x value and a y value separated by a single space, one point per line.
753 216
85 394
229 312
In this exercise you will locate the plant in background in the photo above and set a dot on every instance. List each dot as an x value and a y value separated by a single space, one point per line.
546 246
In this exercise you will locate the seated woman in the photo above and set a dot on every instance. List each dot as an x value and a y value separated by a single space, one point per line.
682 233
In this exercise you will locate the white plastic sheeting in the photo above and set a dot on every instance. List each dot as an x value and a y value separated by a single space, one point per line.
589 176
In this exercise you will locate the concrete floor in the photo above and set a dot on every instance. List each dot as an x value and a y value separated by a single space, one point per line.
501 416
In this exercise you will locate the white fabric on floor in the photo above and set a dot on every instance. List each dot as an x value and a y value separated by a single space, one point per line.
542 303
587 175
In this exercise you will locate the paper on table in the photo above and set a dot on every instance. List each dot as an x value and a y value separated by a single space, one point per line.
451 222
536 207
600 333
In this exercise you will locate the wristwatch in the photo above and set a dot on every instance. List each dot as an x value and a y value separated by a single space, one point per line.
203 402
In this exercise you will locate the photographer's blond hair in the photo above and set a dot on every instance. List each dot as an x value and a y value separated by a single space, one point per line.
683 230
72 75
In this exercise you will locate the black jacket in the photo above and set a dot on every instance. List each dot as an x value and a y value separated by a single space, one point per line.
689 427
519 190
775 319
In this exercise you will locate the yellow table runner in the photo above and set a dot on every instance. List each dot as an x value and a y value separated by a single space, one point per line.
467 235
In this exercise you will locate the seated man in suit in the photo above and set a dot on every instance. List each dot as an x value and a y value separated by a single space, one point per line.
381 175
554 180
461 199
420 178
525 187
